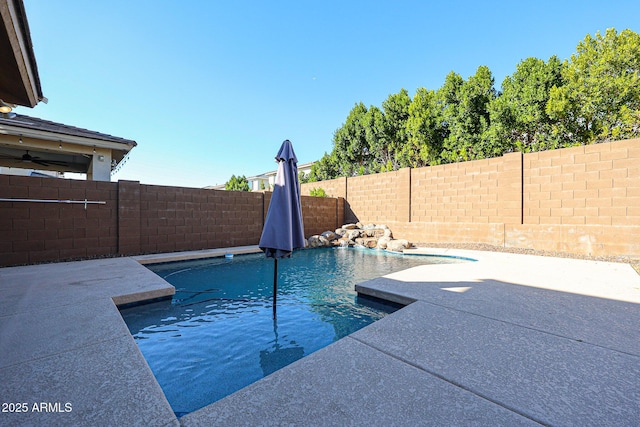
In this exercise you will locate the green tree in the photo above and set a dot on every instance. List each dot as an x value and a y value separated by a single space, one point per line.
325 168
519 121
600 100
424 128
237 183
466 115
377 141
396 113
351 147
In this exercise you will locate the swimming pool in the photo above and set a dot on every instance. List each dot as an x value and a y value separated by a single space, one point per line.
218 335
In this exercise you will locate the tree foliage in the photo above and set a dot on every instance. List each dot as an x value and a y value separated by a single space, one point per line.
424 129
593 97
466 114
237 183
518 116
600 99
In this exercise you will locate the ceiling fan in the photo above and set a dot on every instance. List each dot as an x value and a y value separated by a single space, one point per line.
28 158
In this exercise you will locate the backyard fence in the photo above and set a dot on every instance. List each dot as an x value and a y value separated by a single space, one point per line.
38 225
583 200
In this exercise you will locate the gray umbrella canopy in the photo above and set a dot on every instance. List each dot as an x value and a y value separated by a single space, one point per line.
283 228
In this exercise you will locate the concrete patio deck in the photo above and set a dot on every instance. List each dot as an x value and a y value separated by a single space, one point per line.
507 340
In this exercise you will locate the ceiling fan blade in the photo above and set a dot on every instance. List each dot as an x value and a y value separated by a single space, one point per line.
39 162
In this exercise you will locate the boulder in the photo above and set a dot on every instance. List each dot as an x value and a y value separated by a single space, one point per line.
317 241
369 236
397 245
352 234
342 242
367 242
314 241
324 242
373 232
382 242
330 235
370 242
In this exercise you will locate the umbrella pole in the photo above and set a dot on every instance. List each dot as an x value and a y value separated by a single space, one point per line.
275 285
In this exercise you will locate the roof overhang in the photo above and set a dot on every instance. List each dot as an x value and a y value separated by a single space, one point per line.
19 79
28 142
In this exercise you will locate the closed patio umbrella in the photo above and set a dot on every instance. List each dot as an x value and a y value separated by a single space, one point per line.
283 228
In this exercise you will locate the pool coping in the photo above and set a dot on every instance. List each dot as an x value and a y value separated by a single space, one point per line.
69 344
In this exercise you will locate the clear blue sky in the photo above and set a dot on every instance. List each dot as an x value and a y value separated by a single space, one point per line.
211 88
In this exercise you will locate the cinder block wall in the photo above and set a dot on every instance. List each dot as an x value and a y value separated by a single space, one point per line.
135 219
579 200
178 219
332 187
457 192
39 232
582 199
320 214
379 198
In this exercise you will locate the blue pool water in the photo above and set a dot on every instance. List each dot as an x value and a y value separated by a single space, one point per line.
218 335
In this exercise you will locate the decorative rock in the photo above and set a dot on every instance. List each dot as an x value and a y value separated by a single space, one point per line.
343 243
373 232
352 234
383 241
324 241
397 245
314 241
370 243
329 235
367 242
368 236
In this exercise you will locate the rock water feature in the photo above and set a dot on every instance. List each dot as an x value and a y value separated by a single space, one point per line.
370 236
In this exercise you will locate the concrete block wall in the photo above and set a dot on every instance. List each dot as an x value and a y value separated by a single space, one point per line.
582 200
336 188
178 219
462 202
332 187
587 185
379 198
456 193
579 200
320 214
33 232
135 219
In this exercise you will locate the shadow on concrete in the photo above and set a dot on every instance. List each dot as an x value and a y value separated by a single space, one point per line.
554 357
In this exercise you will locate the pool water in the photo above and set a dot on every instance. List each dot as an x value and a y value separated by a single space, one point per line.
218 333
